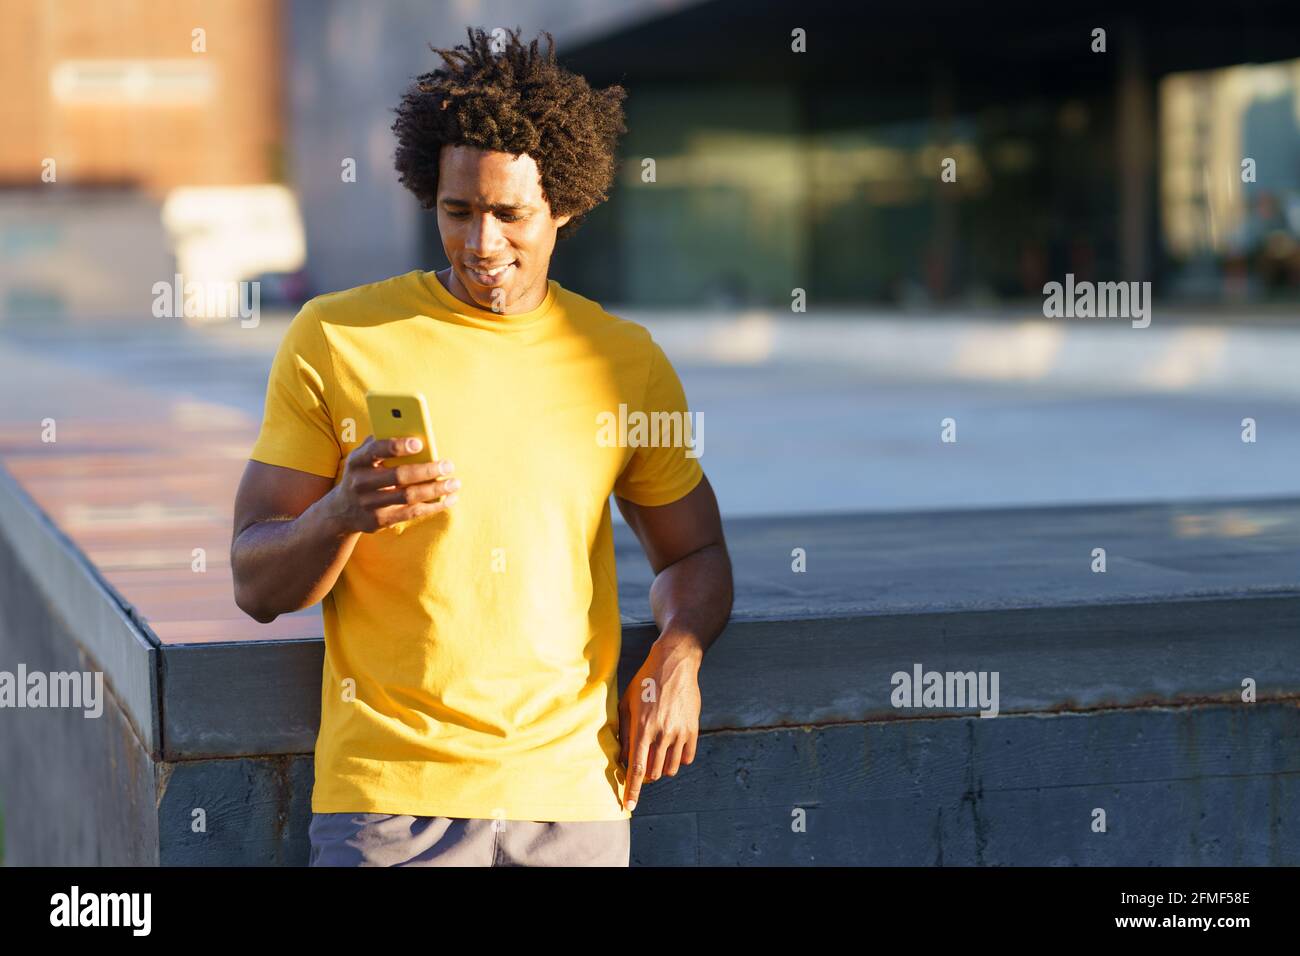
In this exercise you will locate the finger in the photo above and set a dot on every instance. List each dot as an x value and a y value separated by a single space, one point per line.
674 761
396 515
377 449
658 754
688 750
636 772
421 472
375 478
409 494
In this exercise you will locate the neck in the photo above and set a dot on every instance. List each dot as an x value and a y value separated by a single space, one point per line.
531 299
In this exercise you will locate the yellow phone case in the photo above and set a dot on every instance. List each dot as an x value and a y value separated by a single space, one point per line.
401 414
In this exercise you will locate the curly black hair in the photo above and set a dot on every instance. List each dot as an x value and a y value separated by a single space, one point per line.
515 101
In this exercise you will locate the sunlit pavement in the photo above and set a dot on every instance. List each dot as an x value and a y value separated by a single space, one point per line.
805 439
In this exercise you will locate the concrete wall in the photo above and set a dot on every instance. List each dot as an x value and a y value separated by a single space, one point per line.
73 790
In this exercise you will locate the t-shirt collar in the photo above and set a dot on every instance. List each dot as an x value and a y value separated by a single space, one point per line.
486 318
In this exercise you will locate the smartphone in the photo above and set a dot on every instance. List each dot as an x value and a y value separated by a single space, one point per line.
398 415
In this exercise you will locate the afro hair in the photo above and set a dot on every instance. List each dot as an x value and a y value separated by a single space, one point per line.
516 100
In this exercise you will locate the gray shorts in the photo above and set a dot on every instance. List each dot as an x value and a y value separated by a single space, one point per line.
386 839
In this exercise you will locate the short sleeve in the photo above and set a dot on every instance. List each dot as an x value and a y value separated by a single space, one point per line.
297 430
659 472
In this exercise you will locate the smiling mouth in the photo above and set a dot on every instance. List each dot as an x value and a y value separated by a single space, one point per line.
492 276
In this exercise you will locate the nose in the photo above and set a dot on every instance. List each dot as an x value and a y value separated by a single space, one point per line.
485 236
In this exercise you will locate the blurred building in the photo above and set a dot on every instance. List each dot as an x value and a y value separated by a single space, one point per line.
349 64
775 168
123 92
140 139
820 170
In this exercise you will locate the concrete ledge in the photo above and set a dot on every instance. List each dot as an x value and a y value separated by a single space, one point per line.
1119 691
1196 786
75 790
76 594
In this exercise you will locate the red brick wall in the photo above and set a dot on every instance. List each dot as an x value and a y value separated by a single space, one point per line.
230 136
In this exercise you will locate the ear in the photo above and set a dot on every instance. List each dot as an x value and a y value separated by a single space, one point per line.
561 220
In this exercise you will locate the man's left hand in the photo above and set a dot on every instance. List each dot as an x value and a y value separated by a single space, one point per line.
659 714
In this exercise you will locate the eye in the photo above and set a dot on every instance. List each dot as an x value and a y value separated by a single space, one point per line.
462 214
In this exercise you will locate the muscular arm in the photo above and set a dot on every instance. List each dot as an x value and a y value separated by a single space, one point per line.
659 713
691 596
287 550
294 531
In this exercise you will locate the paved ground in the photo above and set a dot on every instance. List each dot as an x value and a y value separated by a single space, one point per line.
841 438
846 441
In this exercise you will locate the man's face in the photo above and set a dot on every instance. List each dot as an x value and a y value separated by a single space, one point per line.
492 216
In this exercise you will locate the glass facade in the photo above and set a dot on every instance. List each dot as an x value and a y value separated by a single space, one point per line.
759 190
1230 181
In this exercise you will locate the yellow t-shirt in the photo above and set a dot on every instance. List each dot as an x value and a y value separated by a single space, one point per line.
471 656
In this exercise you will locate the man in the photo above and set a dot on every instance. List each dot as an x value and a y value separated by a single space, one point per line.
469 701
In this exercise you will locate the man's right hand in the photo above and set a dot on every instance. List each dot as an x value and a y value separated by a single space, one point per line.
370 497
